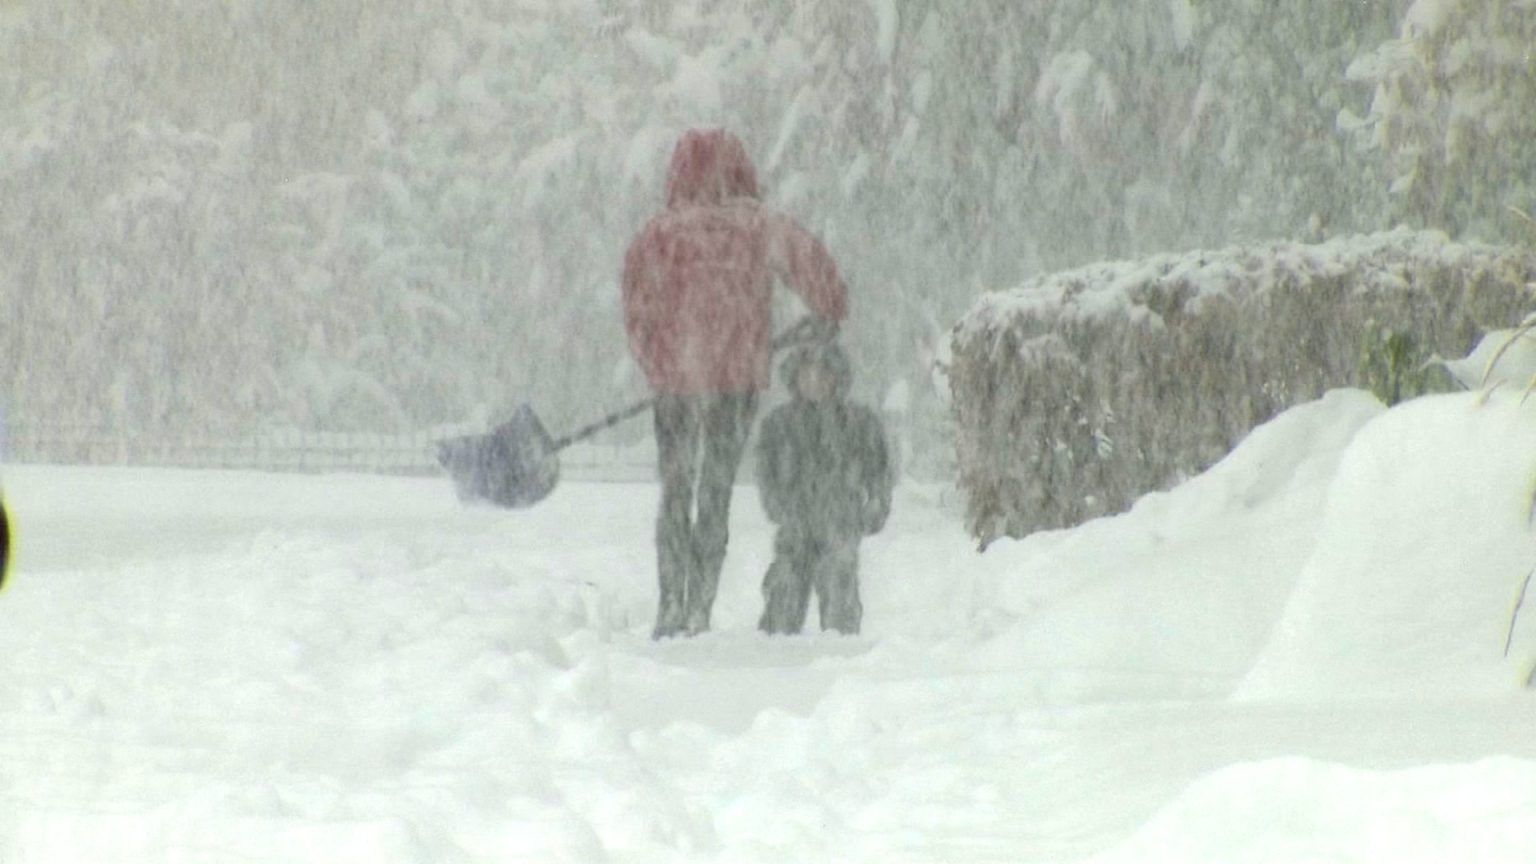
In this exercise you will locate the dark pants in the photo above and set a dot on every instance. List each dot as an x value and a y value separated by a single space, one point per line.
802 562
699 439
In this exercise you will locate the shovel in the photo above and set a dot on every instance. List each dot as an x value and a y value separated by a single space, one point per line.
517 464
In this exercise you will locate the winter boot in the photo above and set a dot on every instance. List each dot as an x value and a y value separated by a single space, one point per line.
837 587
786 597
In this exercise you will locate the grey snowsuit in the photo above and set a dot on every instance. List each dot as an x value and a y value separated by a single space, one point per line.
825 478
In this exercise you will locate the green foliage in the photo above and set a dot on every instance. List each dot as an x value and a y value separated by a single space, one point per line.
1395 366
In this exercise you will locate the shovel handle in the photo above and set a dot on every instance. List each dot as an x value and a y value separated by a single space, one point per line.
802 331
613 419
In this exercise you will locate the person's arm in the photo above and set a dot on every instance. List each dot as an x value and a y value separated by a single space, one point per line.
877 474
642 312
801 261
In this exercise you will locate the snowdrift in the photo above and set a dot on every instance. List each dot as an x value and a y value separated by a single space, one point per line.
1341 550
1424 543
1178 595
1286 810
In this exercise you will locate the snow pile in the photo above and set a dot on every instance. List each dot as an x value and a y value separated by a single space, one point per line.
1424 544
1288 810
1502 358
1341 550
1179 593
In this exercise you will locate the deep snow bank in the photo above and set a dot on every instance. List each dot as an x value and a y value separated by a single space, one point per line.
1423 544
1340 550
1178 595
1285 810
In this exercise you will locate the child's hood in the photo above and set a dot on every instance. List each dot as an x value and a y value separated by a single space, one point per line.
829 356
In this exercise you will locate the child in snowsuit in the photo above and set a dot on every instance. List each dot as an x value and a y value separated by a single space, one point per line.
825 478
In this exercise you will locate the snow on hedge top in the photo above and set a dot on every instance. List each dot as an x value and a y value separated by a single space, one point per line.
1380 261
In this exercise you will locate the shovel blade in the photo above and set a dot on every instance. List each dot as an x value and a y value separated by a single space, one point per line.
515 465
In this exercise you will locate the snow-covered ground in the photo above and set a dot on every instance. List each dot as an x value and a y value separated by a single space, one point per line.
1297 656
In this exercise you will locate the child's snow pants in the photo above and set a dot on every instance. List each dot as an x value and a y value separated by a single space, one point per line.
802 563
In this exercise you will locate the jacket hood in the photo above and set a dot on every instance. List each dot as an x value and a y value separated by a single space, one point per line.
827 355
709 166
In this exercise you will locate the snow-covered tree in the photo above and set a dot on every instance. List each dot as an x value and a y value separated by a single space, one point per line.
1451 112
396 215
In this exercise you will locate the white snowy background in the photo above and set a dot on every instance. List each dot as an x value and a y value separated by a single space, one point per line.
271 216
379 217
1296 656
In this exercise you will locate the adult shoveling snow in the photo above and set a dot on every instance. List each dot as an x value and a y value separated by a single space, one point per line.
697 292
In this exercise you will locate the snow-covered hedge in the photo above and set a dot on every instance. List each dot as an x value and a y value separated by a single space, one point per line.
1079 391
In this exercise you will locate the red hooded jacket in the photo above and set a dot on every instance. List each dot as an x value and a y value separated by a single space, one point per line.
698 277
